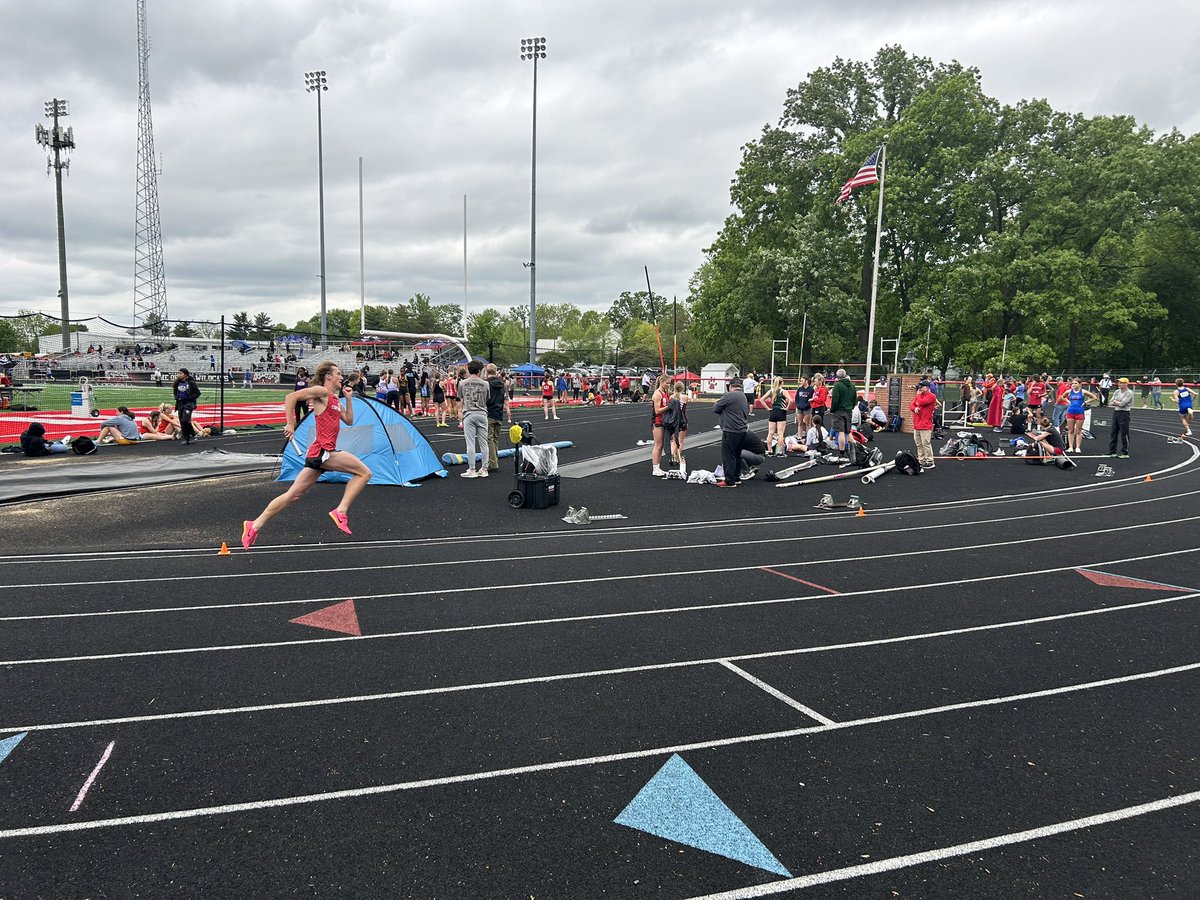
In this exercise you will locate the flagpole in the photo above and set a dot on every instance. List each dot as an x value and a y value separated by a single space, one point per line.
875 271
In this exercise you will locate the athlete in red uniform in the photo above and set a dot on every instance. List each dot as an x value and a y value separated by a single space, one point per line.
323 455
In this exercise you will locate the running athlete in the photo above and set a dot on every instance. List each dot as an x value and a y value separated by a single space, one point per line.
1183 396
323 455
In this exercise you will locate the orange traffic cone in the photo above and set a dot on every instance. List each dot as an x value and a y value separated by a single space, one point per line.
1148 478
861 511
224 551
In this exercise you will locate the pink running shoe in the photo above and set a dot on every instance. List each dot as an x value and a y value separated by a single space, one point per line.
249 535
339 519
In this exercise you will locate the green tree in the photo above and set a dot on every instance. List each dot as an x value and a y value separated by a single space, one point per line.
239 327
635 305
554 359
183 329
11 340
262 326
156 325
1000 222
485 332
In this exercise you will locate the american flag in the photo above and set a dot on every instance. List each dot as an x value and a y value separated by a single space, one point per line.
868 173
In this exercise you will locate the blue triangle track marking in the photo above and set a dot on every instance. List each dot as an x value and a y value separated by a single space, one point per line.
677 805
9 744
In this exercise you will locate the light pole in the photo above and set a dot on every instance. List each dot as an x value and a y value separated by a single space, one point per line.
535 49
57 139
314 82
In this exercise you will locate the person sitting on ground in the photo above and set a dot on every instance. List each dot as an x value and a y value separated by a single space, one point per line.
1049 440
1018 419
168 423
121 428
817 438
151 427
34 443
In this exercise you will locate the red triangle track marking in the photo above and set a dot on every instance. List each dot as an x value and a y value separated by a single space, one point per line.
1106 580
340 617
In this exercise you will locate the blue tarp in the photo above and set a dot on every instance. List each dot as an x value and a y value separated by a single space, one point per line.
393 449
528 369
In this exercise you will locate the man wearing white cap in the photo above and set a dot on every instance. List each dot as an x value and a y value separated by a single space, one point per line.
1121 402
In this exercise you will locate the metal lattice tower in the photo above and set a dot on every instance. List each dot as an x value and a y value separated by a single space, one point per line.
149 278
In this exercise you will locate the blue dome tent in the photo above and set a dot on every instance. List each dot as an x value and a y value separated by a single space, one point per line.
392 448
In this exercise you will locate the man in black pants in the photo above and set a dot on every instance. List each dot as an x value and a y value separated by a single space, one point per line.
1122 400
734 409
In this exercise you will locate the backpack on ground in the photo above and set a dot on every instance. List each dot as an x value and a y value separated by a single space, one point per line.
907 463
872 459
83 445
895 423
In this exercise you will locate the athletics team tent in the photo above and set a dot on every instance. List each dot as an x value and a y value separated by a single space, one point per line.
393 449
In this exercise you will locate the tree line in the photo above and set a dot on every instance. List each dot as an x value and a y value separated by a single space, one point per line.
1069 239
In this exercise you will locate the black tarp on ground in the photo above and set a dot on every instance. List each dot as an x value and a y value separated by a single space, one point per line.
69 474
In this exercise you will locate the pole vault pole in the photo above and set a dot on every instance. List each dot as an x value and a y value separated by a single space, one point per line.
662 361
803 329
675 332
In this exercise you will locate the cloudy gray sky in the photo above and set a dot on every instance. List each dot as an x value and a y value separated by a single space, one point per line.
642 110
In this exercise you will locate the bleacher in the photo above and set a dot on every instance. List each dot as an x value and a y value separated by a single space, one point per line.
118 367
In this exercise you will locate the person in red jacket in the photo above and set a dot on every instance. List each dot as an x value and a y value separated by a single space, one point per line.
922 409
1037 394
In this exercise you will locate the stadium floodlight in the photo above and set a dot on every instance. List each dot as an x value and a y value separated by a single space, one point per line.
317 83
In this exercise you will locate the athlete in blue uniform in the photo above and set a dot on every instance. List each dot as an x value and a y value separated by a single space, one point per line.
1183 396
1076 399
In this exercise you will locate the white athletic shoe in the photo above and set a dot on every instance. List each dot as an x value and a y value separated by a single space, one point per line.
657 472
470 473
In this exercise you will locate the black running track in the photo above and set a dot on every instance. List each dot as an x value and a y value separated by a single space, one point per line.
986 686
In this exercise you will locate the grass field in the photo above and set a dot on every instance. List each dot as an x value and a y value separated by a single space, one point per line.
56 397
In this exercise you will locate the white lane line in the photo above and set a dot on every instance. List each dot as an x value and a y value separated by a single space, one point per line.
725 522
891 864
595 673
458 591
777 694
593 617
91 778
558 556
487 775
